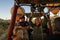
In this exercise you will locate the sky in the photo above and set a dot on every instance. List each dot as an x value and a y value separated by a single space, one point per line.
6 5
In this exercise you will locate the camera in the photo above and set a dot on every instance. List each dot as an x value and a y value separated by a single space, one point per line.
23 24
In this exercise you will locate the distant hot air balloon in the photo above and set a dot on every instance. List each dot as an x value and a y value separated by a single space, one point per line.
20 13
55 10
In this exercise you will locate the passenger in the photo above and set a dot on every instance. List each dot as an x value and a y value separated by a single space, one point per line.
49 36
37 28
56 25
46 26
23 26
55 29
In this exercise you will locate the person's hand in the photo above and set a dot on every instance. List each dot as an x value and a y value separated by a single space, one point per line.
31 15
20 27
28 27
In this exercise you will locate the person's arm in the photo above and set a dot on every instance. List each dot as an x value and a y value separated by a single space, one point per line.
44 25
44 22
30 20
31 23
27 25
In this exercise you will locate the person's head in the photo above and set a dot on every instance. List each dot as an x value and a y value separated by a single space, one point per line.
38 21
